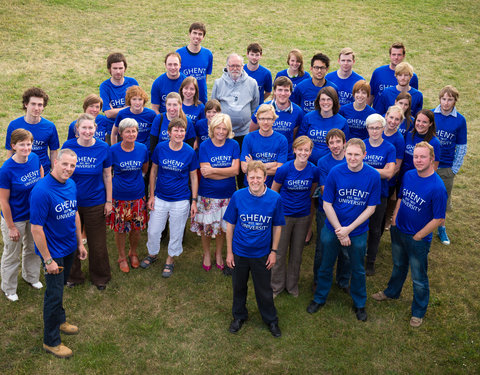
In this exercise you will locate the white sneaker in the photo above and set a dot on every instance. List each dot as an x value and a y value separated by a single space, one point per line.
37 285
12 297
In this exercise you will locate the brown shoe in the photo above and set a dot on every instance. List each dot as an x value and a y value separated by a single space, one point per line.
122 263
68 329
380 296
416 322
134 261
59 351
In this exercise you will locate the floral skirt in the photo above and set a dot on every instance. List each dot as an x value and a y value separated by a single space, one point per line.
209 218
128 215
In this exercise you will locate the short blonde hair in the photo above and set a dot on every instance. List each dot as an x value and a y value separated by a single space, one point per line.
300 141
395 108
85 117
253 165
404 67
427 146
356 142
266 108
220 119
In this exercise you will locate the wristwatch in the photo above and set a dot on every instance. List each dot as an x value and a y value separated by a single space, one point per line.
49 261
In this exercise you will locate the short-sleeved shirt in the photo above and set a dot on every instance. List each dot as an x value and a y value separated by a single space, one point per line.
451 131
423 199
315 127
398 141
201 130
410 143
356 120
273 148
102 123
163 86
263 76
194 112
197 65
53 205
378 157
350 193
174 168
160 128
306 92
325 165
88 175
389 95
45 137
20 178
144 119
113 96
288 120
254 217
127 179
345 86
296 187
383 77
218 157
295 80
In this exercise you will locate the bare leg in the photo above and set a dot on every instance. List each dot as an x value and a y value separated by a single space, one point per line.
134 238
219 240
120 242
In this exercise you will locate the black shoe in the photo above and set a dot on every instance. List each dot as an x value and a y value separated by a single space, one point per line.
275 329
370 269
235 325
101 287
360 313
314 307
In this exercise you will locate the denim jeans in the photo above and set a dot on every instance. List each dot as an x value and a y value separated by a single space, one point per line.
405 251
356 252
53 312
343 261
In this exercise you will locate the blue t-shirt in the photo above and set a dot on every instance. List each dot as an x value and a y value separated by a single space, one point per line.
88 175
402 128
296 188
160 128
350 193
197 65
356 120
144 119
45 137
306 92
201 130
423 199
127 179
378 157
218 157
315 127
194 112
383 77
113 96
174 168
266 149
286 123
163 86
20 178
295 80
325 165
388 96
100 133
254 217
53 205
264 80
451 131
398 141
410 146
345 86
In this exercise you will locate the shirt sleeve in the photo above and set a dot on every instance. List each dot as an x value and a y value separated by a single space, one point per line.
39 204
231 214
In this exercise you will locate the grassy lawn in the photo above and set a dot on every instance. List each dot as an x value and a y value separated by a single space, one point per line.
145 324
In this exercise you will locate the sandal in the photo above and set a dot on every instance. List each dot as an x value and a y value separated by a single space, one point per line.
147 261
122 263
169 270
134 261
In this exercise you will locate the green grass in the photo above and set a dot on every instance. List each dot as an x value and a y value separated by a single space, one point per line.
145 324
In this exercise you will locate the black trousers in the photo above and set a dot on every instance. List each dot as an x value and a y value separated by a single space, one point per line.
261 282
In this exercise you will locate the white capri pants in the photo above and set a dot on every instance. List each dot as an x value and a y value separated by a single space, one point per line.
177 212
11 257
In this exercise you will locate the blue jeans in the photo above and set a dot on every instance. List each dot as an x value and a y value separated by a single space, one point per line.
356 252
343 261
405 251
53 312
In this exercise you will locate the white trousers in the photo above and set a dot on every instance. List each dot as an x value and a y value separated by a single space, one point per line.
11 257
177 213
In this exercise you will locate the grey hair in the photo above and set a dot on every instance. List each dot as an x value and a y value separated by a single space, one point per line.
373 119
127 123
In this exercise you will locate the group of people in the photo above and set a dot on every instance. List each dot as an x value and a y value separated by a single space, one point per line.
248 173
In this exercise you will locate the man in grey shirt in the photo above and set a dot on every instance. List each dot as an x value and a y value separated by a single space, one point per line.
239 97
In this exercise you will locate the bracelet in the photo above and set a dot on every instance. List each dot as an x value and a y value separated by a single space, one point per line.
195 199
108 202
273 251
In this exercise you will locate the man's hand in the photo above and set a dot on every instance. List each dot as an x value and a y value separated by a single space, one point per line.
271 260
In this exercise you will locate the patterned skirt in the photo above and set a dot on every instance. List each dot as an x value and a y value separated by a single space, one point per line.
128 215
209 219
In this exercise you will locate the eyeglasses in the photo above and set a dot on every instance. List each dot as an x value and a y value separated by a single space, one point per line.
234 66
316 67
375 128
265 119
